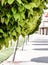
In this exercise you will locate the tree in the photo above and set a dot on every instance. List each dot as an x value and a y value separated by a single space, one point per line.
19 17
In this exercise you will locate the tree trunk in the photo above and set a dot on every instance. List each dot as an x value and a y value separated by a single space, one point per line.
23 45
28 38
15 50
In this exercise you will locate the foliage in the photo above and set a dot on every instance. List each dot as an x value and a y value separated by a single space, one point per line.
18 17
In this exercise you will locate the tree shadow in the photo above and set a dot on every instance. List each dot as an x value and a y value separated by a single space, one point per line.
40 41
17 62
40 59
41 49
39 44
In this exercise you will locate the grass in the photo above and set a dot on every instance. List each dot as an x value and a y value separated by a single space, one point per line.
5 53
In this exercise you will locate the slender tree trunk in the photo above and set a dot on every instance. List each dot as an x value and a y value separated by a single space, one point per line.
23 45
28 38
15 50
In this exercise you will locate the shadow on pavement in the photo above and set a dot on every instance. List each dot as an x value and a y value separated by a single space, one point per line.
40 60
41 49
39 44
39 41
17 62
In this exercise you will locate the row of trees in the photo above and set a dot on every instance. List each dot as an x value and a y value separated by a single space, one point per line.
19 17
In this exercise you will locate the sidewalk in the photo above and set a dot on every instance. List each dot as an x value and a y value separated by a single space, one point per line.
34 53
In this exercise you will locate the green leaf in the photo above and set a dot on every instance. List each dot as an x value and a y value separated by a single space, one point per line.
2 2
8 15
30 5
1 31
23 33
4 35
21 8
21 23
37 2
14 33
10 1
7 21
19 1
2 20
13 10
7 41
22 14
16 16
18 29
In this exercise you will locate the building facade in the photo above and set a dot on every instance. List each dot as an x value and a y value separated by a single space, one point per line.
43 28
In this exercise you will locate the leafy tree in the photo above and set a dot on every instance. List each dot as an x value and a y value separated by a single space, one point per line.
19 17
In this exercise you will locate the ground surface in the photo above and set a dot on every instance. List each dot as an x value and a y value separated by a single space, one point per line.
34 53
